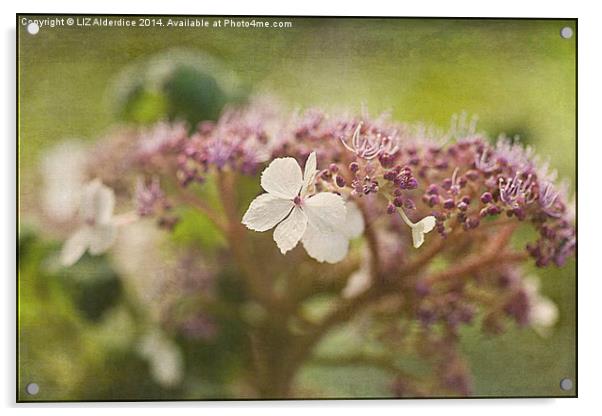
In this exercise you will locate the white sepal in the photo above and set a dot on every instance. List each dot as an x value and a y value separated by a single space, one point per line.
309 174
422 227
266 211
288 233
282 178
325 245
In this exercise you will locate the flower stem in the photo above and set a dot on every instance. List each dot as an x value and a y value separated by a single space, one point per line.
405 218
258 283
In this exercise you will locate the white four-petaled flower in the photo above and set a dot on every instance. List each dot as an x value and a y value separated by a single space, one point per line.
323 222
99 230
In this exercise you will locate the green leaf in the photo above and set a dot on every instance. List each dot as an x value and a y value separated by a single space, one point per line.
194 228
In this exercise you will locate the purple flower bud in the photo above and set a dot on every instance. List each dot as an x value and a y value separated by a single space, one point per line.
432 189
340 181
398 201
438 216
391 208
386 159
370 186
357 186
390 175
493 210
520 213
447 183
412 184
465 199
409 204
433 200
449 204
462 206
333 168
354 167
471 223
547 232
486 197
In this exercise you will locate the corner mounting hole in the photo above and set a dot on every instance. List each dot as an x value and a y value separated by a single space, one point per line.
566 384
33 28
32 389
566 32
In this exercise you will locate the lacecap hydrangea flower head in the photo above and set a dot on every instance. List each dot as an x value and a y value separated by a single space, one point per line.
361 176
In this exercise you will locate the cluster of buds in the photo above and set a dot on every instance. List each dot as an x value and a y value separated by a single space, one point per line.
150 200
463 184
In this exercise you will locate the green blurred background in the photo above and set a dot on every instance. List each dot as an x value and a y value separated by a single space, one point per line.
518 76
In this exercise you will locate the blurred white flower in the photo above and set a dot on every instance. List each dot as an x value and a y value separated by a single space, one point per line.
358 282
143 262
99 230
63 174
164 358
543 313
323 222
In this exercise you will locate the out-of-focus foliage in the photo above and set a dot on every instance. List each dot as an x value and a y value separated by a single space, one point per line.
177 84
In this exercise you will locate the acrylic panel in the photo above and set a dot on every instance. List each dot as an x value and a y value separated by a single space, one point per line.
223 208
